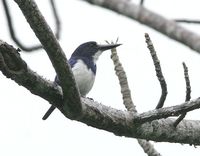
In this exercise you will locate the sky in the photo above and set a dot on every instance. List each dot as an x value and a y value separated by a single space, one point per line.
22 130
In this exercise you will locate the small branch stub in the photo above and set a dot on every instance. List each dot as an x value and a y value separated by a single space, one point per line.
10 60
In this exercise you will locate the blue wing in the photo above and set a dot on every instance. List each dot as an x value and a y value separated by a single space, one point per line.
72 61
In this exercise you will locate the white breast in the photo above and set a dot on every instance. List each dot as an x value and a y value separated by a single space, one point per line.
84 77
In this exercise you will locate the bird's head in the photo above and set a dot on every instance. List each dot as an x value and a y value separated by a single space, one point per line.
92 50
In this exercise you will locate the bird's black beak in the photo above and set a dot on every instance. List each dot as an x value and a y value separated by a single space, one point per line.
107 46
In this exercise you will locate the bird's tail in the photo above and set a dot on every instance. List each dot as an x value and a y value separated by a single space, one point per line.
50 110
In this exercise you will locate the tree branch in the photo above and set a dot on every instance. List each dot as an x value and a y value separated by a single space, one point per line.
72 104
119 71
57 19
12 66
167 111
187 21
12 31
188 93
141 14
127 100
158 70
121 123
141 2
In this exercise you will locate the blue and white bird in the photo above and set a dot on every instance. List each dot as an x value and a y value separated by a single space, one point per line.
83 63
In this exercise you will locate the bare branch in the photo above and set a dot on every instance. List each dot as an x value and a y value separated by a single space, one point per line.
141 2
188 93
158 71
167 111
71 95
12 31
112 120
141 14
187 21
57 19
148 147
187 82
121 123
12 66
180 118
127 99
126 93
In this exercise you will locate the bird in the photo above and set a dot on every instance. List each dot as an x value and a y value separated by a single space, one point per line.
83 64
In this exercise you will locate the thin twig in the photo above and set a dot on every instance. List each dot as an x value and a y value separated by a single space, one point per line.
141 2
188 93
12 31
57 19
158 71
187 21
127 99
187 82
166 112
